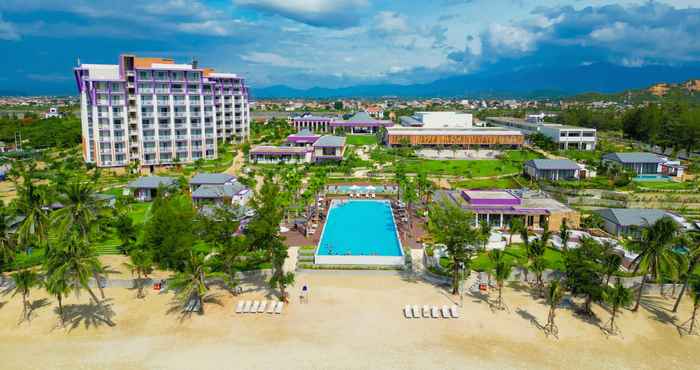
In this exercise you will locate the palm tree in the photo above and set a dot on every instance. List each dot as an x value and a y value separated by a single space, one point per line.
410 197
617 296
693 260
7 239
564 234
24 281
611 264
695 294
141 265
538 266
58 286
555 293
81 210
30 203
655 253
501 271
516 226
76 262
190 284
484 233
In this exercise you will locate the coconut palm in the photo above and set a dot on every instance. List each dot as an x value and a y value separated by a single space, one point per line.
190 284
58 286
24 281
617 296
81 210
538 266
564 234
611 264
30 202
484 233
693 261
76 262
655 252
695 295
141 266
555 293
501 272
516 226
7 239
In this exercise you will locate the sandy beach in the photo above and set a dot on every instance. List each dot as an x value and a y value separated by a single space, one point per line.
353 320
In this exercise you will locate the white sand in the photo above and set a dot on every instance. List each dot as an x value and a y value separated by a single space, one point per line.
352 321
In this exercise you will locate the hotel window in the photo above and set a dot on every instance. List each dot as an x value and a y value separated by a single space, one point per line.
144 75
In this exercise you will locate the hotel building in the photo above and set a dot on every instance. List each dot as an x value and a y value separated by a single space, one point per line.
157 112
566 137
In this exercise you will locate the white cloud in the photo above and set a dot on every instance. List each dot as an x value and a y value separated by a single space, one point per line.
271 59
324 13
391 22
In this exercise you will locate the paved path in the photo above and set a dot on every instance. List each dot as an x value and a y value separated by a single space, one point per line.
238 161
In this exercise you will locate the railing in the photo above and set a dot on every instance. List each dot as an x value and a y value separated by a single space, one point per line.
164 114
165 137
161 90
149 138
105 151
146 114
149 150
181 137
177 91
148 90
180 114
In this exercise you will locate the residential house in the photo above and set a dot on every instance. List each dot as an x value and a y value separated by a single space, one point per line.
232 193
553 169
639 162
145 188
630 221
210 179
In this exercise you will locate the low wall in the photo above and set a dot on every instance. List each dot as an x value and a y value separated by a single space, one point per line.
360 260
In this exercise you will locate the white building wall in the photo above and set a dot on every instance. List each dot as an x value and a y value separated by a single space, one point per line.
445 119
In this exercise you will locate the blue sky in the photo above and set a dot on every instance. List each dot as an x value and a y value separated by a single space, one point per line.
333 43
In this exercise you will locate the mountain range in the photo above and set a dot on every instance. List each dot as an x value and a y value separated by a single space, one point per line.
527 83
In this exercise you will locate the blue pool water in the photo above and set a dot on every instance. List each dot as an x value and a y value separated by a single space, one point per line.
652 178
360 228
363 189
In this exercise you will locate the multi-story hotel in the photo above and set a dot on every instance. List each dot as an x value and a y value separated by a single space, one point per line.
157 112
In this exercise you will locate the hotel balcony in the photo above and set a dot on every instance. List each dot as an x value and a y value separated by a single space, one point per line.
164 114
165 137
146 90
180 114
149 150
177 91
162 91
105 151
146 114
149 138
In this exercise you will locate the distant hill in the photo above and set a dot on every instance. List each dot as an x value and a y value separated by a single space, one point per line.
529 83
687 91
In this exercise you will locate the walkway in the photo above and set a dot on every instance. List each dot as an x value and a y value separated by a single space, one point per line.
237 164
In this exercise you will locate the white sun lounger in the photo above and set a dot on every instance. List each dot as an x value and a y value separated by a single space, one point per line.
446 312
374 195
426 312
271 309
239 307
246 306
434 312
407 312
416 312
261 309
254 307
455 312
278 309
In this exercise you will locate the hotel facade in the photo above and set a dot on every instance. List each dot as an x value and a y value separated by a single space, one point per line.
156 112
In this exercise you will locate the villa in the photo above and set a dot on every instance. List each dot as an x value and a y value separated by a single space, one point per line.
566 137
645 163
215 179
302 147
360 122
145 188
233 193
630 221
499 207
553 169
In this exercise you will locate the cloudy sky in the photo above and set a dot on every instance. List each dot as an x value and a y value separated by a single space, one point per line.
332 43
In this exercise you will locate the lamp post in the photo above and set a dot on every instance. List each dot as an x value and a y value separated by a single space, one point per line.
461 284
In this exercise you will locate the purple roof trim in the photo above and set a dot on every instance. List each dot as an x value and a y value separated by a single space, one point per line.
362 124
302 139
508 210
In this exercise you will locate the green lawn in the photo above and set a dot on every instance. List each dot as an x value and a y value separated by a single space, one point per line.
504 183
510 164
361 139
110 245
515 254
665 185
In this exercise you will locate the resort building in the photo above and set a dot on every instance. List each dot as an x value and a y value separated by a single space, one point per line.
359 123
438 120
645 163
499 207
553 169
302 147
145 188
214 179
230 193
566 137
157 112
629 222
375 112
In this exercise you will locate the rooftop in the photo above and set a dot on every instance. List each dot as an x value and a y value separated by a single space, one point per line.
632 216
473 131
553 164
152 182
211 178
634 157
330 141
219 191
271 149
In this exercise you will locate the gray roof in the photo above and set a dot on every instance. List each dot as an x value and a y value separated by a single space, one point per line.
211 178
631 216
552 164
360 117
330 141
152 182
636 157
218 191
410 121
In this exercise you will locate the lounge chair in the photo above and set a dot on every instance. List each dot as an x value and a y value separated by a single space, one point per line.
446 312
434 312
407 312
426 312
455 312
271 308
261 309
416 312
374 195
239 307
254 307
246 307
278 309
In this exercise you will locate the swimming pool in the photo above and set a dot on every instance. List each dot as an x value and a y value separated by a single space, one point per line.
362 189
653 177
360 232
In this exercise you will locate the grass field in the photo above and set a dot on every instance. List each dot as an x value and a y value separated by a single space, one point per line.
510 164
666 185
110 245
516 255
503 183
361 139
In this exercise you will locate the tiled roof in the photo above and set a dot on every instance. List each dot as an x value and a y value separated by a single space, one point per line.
152 182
